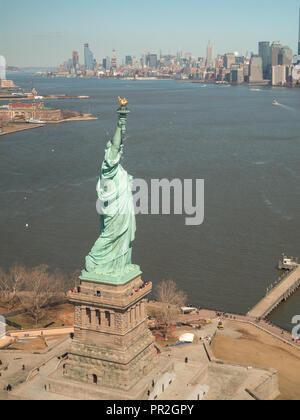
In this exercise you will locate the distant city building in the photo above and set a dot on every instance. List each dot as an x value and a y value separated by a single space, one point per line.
5 83
285 56
153 61
265 53
113 63
239 59
210 55
106 63
246 69
128 60
24 111
274 53
237 75
229 59
88 58
256 69
299 35
75 57
279 75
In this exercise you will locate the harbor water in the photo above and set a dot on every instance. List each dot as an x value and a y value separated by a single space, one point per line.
245 148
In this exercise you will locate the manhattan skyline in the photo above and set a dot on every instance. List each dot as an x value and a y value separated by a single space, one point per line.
44 34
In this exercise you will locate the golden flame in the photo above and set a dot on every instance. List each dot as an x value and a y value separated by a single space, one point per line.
122 101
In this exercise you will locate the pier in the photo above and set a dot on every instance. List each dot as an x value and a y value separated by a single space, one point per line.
281 292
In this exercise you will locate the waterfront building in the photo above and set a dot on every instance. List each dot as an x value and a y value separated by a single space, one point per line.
279 75
88 58
256 69
264 53
237 74
23 111
290 74
5 83
246 69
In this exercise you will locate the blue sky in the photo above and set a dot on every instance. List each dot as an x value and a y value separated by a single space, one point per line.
45 32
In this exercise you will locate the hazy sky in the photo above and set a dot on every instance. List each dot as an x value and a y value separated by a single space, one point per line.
45 32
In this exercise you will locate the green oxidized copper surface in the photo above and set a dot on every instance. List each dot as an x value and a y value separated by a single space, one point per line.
109 261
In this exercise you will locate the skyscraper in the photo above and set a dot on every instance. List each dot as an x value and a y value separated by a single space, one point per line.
88 58
274 52
299 34
128 60
285 56
153 61
114 60
210 55
256 69
264 53
229 59
75 58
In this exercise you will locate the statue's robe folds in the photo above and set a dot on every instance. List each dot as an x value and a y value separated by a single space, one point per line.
111 253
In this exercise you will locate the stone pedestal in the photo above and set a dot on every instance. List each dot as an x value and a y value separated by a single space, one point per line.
112 345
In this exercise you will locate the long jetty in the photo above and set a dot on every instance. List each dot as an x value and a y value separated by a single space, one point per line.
279 294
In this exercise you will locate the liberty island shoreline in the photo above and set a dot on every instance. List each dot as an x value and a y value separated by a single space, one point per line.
16 127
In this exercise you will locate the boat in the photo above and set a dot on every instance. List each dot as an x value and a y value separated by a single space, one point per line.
286 263
275 102
34 121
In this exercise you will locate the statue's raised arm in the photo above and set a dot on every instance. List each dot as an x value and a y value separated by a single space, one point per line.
119 137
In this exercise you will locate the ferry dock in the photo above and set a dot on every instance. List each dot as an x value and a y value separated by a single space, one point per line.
281 292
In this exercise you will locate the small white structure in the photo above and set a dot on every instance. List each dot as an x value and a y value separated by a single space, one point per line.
188 310
187 338
2 327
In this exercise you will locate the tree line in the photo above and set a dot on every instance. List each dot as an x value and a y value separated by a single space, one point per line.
33 289
36 289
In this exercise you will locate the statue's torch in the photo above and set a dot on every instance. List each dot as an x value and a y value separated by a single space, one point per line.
123 111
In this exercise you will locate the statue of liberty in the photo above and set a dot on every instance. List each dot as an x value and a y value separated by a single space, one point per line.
109 260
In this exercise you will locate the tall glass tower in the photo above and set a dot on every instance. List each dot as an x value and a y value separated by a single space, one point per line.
299 34
88 58
265 53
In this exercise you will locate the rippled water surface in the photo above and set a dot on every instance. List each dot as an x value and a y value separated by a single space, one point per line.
245 148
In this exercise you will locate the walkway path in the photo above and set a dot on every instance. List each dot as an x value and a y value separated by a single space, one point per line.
281 292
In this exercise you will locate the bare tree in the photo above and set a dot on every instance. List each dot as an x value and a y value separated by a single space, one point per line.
5 289
171 300
43 289
17 278
67 281
11 284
